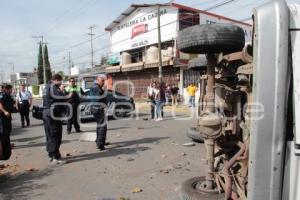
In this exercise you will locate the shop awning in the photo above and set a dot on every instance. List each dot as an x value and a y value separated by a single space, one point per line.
165 62
132 67
113 69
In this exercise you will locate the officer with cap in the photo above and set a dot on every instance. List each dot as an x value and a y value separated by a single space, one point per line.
51 114
6 108
98 94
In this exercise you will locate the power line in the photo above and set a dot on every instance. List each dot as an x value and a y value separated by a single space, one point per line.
108 46
51 28
220 4
63 14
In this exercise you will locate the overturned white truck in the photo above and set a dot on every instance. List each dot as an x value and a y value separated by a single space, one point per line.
248 106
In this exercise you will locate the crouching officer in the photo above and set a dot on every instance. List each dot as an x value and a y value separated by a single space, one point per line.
6 108
52 125
75 93
98 95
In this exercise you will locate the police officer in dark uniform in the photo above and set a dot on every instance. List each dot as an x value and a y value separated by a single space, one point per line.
99 98
51 113
6 108
74 100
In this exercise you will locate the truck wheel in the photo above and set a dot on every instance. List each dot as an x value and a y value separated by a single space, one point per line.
198 64
190 192
194 135
211 38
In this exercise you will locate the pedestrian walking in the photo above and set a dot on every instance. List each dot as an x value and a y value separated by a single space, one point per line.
192 89
174 95
168 94
98 95
23 104
6 107
51 116
75 92
151 96
160 99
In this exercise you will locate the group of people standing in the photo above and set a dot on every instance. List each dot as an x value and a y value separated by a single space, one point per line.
53 97
158 94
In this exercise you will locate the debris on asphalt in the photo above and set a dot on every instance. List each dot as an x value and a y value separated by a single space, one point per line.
67 154
166 170
177 166
189 144
145 119
140 128
2 166
163 156
119 135
130 159
174 143
123 198
183 154
136 190
32 169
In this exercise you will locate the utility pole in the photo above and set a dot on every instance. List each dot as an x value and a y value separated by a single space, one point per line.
43 56
70 63
12 67
12 72
159 45
92 49
1 75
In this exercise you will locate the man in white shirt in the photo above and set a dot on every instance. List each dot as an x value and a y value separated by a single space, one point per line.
24 102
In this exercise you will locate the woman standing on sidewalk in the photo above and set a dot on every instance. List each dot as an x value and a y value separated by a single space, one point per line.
160 99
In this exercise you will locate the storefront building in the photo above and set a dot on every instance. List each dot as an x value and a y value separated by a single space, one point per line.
133 61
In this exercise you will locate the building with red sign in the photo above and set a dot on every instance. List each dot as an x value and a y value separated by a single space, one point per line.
134 53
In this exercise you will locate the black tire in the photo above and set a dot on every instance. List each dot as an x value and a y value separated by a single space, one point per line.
194 135
211 38
189 191
198 64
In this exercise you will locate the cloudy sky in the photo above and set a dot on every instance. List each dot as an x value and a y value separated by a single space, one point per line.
64 24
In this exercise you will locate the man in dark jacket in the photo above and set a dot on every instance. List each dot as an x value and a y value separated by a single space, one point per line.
52 114
6 108
98 95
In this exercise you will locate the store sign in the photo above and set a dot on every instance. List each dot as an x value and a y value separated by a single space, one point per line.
139 29
210 19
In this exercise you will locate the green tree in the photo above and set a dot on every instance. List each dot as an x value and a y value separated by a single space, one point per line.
40 69
47 64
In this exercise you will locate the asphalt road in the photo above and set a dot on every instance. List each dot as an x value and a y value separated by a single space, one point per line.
144 154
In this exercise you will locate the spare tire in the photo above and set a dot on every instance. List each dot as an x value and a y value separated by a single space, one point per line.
189 191
194 135
211 38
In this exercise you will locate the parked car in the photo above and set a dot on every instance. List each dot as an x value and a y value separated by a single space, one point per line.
119 105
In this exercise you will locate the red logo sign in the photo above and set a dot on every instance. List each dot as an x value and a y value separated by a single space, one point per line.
139 29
